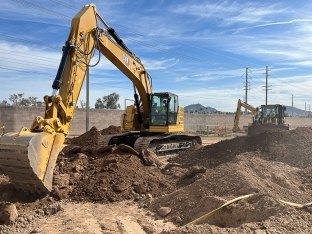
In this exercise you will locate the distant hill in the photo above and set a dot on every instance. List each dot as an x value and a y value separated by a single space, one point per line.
297 111
199 108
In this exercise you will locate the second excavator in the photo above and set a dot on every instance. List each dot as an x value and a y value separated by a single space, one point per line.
265 118
155 120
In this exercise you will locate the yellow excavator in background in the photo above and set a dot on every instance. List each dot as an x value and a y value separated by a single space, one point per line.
238 113
265 118
155 120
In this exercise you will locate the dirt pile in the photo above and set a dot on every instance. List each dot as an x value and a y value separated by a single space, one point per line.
111 130
88 171
92 137
290 147
273 166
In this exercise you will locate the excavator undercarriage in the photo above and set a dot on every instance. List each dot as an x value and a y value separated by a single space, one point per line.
160 144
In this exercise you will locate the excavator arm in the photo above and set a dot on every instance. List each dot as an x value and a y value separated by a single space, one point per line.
241 104
85 35
28 157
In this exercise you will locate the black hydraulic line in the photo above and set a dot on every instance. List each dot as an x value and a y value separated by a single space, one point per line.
119 41
57 81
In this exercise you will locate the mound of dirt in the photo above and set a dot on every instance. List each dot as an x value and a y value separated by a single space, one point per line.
91 137
274 166
289 222
247 174
88 171
271 166
111 130
290 147
110 177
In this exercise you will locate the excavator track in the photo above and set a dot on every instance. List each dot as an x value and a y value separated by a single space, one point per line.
158 143
171 143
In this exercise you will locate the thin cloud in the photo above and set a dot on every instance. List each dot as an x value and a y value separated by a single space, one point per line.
283 22
229 13
152 64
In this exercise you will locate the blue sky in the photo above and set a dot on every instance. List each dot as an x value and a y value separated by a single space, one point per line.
196 49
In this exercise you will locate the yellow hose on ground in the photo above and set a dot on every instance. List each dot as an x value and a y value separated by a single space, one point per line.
205 217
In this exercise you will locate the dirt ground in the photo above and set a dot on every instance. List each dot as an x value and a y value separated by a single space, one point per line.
116 190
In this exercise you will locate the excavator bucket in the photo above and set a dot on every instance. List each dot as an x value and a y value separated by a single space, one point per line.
28 159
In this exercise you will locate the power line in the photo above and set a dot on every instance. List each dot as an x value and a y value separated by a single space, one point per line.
9 52
65 4
19 38
23 71
157 49
36 7
40 8
131 31
22 62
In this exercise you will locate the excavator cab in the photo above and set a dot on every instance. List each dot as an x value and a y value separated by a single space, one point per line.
274 114
164 109
165 113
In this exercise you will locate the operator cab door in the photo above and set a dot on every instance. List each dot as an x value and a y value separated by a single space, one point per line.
164 108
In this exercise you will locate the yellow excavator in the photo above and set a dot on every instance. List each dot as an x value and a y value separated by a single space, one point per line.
238 113
265 118
155 120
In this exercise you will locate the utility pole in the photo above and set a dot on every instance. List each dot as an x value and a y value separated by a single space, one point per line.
246 88
292 105
309 111
305 109
266 84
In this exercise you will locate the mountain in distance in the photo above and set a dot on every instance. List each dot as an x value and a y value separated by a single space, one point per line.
200 109
297 111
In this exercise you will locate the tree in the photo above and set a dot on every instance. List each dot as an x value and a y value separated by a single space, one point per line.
4 103
108 102
83 104
99 104
16 99
20 100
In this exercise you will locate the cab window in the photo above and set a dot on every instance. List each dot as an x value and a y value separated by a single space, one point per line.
159 110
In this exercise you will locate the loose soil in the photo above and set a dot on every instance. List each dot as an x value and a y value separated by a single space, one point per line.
271 166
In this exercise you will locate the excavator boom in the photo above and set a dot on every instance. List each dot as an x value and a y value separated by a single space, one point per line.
241 104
